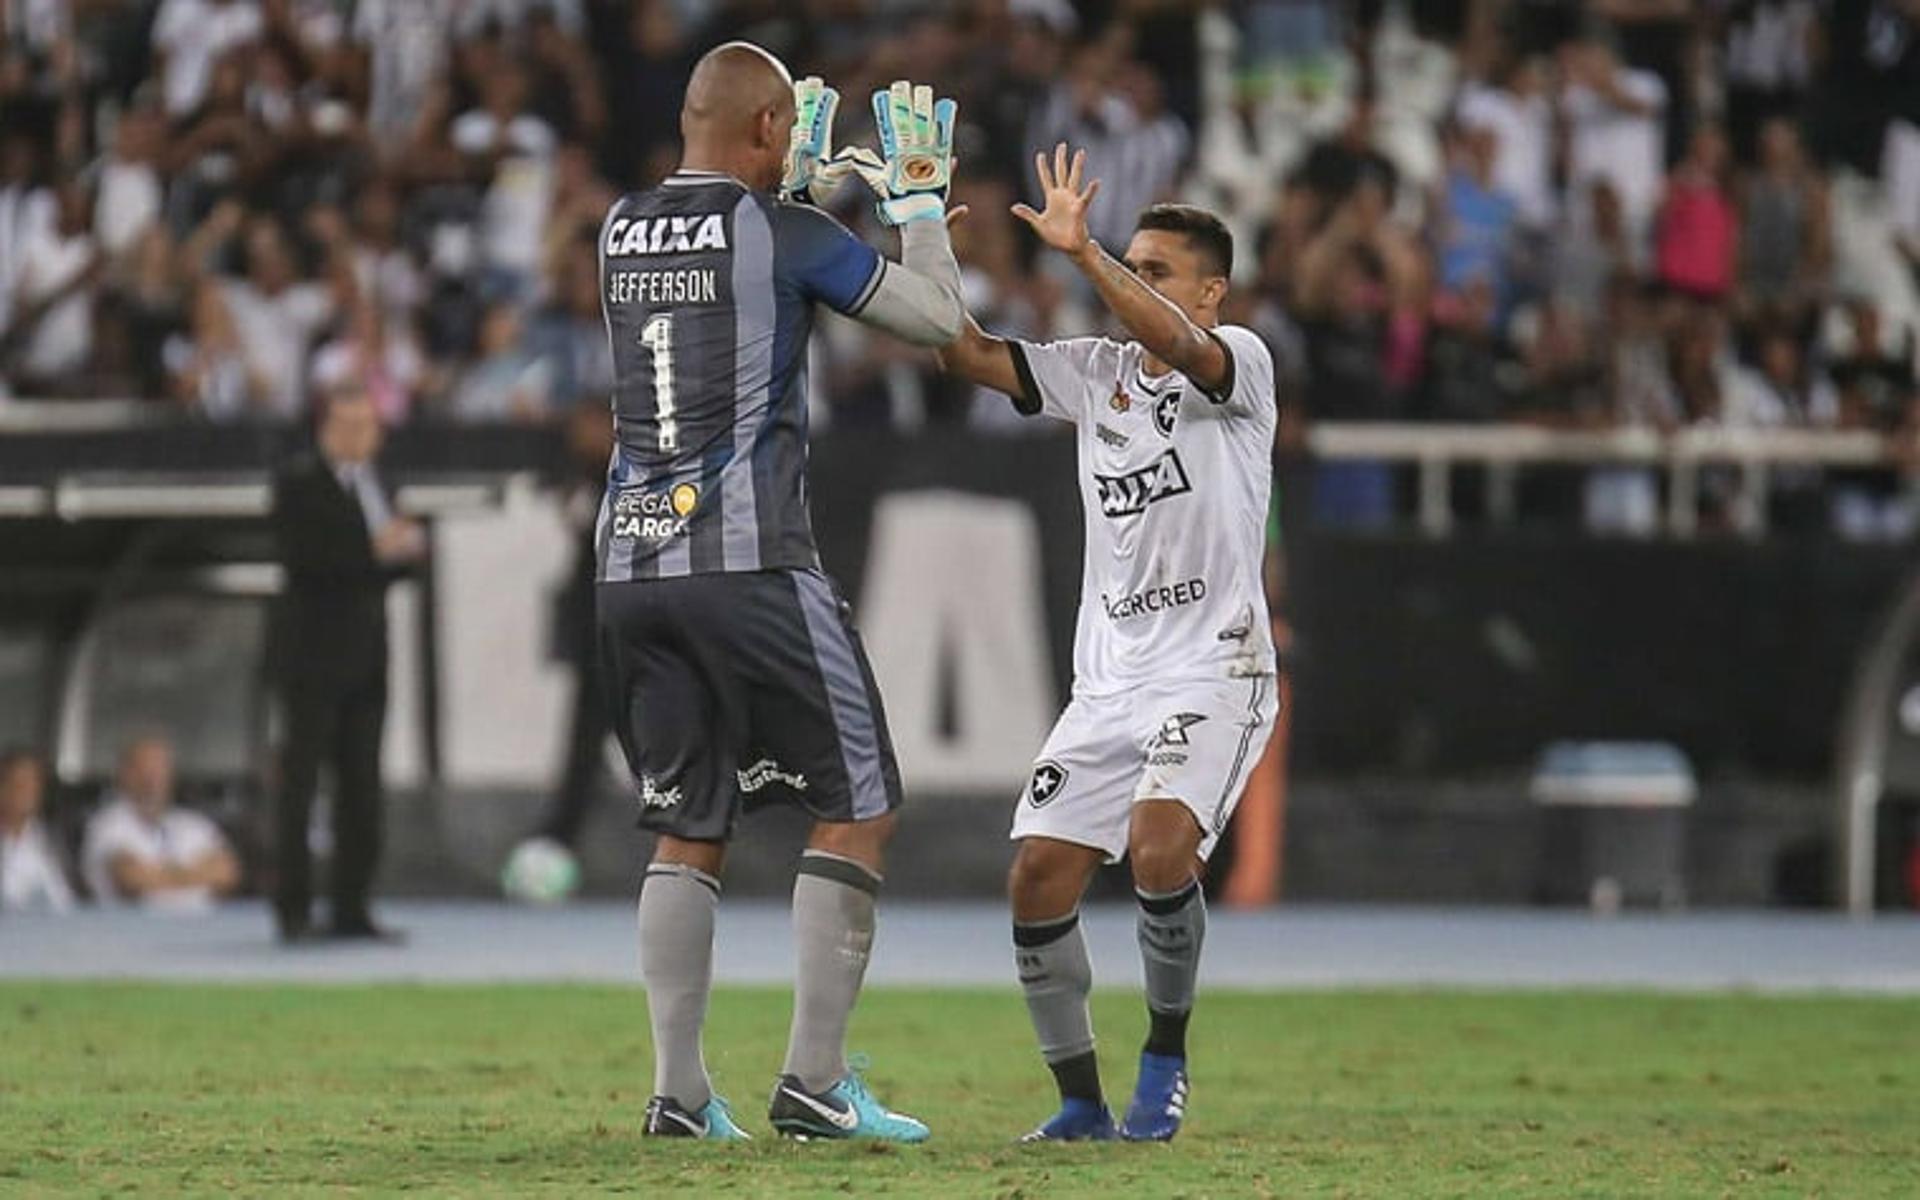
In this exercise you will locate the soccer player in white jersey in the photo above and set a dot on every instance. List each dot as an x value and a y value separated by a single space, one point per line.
1173 693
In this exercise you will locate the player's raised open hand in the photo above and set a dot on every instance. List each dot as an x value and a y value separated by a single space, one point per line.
1062 224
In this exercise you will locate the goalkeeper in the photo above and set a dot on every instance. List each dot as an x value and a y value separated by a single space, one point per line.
733 674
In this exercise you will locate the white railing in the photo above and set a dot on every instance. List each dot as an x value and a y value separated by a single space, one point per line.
83 416
95 497
1435 450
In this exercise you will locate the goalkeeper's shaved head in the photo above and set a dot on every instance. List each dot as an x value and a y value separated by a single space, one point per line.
738 114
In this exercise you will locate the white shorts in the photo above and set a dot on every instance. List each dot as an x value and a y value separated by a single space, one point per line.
1194 742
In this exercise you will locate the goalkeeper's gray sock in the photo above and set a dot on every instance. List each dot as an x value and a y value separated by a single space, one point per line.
1172 927
676 960
833 900
1057 976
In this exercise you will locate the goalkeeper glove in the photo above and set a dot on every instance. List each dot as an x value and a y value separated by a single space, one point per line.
915 165
811 173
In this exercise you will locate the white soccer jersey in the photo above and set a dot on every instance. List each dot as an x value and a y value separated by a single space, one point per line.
1175 484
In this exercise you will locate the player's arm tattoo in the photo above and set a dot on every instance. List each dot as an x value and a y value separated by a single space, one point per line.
1162 328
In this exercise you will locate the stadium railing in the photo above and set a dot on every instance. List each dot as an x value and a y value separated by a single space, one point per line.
1436 451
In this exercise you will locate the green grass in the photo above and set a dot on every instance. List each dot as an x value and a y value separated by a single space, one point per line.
161 1090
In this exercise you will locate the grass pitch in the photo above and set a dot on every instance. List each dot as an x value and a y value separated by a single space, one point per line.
163 1090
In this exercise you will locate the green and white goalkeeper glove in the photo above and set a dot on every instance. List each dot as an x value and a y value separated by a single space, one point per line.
811 173
915 165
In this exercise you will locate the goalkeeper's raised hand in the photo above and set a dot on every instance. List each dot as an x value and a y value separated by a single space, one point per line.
915 167
809 175
1062 222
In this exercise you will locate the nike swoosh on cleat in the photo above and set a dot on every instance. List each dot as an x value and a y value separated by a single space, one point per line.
696 1128
845 1119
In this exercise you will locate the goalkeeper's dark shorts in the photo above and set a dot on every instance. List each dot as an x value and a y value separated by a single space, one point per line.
732 691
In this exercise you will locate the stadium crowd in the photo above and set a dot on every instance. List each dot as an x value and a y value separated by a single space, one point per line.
1585 214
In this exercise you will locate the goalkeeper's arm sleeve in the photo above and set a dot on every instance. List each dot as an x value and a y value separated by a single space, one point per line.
918 299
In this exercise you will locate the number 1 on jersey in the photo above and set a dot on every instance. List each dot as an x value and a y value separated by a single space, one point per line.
657 336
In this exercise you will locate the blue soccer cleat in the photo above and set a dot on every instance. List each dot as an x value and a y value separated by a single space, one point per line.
713 1123
845 1110
1159 1100
1077 1121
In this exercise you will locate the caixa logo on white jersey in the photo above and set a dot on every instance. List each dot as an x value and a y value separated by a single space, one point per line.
1128 495
666 235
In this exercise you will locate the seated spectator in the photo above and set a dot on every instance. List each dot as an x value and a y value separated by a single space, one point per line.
513 149
190 37
1476 224
1640 393
130 183
1779 388
1465 356
26 211
1771 52
1615 129
150 298
1782 388
51 340
1877 390
569 336
1516 113
404 50
1592 250
1334 169
385 268
1785 228
208 367
383 356
31 873
504 383
1561 381
1699 227
277 314
141 849
1874 371
1360 292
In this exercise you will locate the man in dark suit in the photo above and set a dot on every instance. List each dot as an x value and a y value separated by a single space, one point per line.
342 544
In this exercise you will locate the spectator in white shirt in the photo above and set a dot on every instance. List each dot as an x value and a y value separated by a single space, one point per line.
141 849
406 51
53 300
190 36
130 185
25 211
1516 111
515 148
31 874
277 315
1616 129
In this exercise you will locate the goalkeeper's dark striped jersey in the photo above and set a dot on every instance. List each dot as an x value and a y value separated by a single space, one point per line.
708 289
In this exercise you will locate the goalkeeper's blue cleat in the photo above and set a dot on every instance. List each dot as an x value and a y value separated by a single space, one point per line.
845 1110
1159 1100
1077 1121
714 1122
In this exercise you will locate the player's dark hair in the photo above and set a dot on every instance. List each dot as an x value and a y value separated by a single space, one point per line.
1204 232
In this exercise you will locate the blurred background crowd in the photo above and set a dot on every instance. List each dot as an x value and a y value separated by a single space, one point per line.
1582 213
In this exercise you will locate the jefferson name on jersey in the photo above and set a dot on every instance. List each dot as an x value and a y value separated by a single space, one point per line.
636 236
